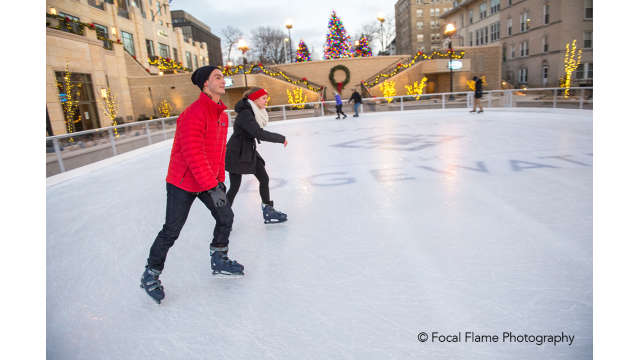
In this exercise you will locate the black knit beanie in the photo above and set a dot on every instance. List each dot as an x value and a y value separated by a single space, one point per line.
201 75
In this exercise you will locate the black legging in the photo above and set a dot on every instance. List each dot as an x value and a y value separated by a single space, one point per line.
263 179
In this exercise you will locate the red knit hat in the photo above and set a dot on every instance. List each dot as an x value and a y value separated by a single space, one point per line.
257 94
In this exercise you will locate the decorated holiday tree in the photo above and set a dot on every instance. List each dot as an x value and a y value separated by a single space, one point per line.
338 44
302 54
362 47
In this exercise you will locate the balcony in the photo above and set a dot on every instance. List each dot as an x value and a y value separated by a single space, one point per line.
65 24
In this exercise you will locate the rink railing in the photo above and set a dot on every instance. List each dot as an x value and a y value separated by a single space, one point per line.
70 151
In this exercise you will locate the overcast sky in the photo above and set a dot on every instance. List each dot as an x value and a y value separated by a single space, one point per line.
310 18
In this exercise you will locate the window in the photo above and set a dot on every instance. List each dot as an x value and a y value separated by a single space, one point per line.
437 12
545 12
175 54
509 26
123 9
86 112
419 12
509 1
139 5
483 10
588 9
419 25
486 35
495 31
587 39
195 59
70 26
495 6
545 74
432 11
584 71
164 50
470 39
478 37
545 44
98 4
188 57
523 75
462 20
127 42
504 53
151 51
470 16
102 33
513 51
418 2
524 48
420 37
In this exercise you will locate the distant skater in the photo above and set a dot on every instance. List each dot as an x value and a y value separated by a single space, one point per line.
357 101
477 96
339 106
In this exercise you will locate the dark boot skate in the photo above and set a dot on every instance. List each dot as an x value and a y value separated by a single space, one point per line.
271 215
221 264
150 282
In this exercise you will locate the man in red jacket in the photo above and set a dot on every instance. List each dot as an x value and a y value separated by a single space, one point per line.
196 170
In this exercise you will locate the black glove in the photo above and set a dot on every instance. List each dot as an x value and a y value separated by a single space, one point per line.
218 195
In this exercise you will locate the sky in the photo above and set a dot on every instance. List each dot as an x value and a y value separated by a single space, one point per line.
310 18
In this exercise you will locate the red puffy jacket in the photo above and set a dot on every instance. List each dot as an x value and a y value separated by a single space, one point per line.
199 145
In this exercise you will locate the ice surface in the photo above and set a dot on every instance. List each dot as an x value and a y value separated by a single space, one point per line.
399 223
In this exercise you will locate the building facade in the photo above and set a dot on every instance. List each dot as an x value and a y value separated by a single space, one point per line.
195 30
418 25
533 34
96 47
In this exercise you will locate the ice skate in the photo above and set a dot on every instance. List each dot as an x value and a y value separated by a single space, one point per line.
221 264
150 282
271 215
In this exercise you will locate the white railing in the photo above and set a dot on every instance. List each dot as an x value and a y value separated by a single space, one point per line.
69 151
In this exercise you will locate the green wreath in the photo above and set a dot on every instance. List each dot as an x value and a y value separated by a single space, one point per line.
336 85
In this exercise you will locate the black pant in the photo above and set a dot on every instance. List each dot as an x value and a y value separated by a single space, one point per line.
178 205
263 179
339 110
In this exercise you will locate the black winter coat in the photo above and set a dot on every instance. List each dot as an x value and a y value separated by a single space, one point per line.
241 154
356 98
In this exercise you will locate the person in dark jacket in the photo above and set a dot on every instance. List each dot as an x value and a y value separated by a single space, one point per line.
357 101
242 156
339 106
477 96
196 170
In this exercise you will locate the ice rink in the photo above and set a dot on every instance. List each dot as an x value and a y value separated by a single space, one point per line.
399 223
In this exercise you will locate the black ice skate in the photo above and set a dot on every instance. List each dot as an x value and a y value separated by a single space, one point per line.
221 264
271 215
150 282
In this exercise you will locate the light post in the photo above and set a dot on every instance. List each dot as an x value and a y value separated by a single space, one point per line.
242 46
289 25
449 31
381 19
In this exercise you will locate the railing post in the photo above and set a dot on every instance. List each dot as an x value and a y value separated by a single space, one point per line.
56 147
468 99
582 99
401 103
443 101
146 126
322 108
510 98
489 97
555 98
113 142
163 130
284 113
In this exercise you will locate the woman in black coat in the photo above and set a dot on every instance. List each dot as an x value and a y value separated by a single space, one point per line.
242 156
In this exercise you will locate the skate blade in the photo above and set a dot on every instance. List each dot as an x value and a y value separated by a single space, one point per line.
274 221
227 274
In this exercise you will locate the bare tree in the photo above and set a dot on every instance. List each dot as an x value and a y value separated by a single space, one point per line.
230 36
378 35
268 45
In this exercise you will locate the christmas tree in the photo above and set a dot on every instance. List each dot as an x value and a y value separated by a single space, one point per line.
362 47
303 52
338 43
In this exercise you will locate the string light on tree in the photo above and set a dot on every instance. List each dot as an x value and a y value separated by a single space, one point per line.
70 98
297 96
388 88
571 62
416 88
362 48
338 43
111 108
472 84
164 108
302 54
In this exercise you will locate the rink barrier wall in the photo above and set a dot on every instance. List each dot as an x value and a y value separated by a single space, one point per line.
70 151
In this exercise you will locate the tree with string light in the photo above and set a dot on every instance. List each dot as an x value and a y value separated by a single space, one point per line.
70 99
302 54
338 43
111 108
362 48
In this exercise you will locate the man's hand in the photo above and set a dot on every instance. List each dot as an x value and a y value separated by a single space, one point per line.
218 195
